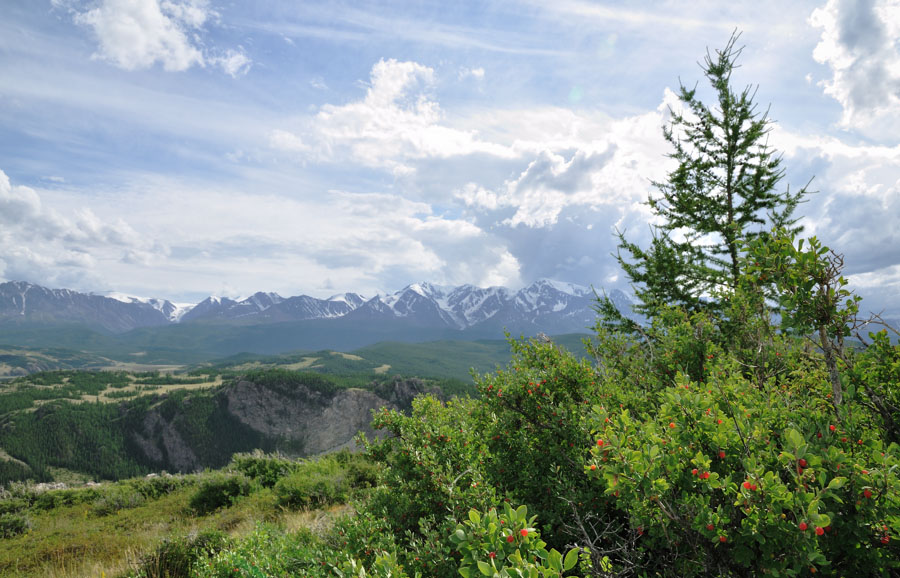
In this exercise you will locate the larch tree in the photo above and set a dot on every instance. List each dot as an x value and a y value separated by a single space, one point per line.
721 195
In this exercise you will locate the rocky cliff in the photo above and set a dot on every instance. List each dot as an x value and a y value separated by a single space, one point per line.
300 420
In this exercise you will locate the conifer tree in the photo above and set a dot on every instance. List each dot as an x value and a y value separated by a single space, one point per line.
721 195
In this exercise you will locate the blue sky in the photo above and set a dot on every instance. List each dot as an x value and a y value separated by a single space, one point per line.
181 148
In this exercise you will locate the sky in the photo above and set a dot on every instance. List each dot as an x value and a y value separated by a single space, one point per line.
183 148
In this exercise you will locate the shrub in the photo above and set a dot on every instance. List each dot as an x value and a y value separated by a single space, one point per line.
176 558
13 524
117 498
219 490
155 487
314 484
507 544
265 469
269 551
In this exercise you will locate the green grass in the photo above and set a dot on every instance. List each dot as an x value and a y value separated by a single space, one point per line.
114 528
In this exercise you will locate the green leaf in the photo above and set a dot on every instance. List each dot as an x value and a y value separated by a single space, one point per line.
555 560
521 512
795 440
571 559
459 535
836 483
474 516
466 572
485 568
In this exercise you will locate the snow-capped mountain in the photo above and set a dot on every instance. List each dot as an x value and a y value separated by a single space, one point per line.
173 311
272 308
22 302
544 306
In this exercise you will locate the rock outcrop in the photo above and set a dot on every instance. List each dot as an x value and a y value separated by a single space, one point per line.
299 420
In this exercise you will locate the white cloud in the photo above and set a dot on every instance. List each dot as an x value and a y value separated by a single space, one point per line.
234 62
39 244
395 123
286 141
476 73
858 42
200 239
587 163
856 207
138 34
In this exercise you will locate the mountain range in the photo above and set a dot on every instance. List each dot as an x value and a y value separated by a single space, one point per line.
127 327
545 305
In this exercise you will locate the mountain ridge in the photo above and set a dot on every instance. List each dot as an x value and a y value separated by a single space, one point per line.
545 305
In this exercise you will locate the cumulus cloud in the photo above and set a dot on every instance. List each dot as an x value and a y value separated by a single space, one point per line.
597 165
41 245
858 43
856 206
138 34
397 122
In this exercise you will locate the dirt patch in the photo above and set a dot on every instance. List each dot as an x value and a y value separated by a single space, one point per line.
349 356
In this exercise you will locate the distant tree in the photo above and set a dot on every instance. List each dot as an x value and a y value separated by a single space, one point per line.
721 195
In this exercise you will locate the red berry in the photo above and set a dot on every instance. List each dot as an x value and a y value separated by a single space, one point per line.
818 435
523 532
510 538
802 462
832 428
671 425
710 527
819 530
722 538
593 467
747 485
803 526
492 555
600 443
694 472
885 539
722 454
718 421
867 493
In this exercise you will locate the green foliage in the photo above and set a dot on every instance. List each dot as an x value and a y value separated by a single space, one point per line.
267 551
219 490
812 294
178 557
876 375
327 480
720 195
264 469
507 545
13 524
